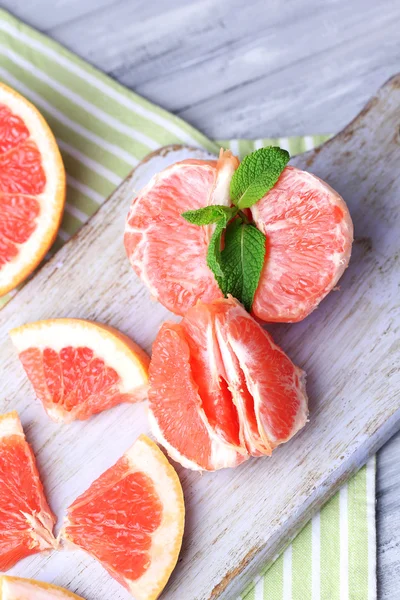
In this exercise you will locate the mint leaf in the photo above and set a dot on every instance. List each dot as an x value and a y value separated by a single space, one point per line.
256 175
214 251
241 261
209 214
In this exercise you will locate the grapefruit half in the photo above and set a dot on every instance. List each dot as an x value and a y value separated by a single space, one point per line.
79 368
307 226
26 521
32 188
18 588
131 519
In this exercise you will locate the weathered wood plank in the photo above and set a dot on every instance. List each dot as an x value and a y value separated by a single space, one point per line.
270 69
349 348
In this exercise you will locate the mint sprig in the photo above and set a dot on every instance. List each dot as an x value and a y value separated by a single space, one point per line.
242 260
256 175
236 250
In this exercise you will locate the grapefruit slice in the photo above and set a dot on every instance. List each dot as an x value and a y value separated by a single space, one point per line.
131 519
307 225
18 588
265 390
32 188
79 368
26 521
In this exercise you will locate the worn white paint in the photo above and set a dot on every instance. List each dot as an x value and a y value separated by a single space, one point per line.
236 519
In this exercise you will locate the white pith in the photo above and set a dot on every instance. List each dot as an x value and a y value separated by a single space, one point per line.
14 588
60 333
220 193
10 425
49 203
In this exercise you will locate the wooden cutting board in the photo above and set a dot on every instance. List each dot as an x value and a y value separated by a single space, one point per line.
236 519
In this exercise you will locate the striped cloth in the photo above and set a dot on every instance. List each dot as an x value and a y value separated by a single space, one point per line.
103 130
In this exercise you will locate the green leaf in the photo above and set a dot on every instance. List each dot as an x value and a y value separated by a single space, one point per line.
241 261
209 214
256 175
214 251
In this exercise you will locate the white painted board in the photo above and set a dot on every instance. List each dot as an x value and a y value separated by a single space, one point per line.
236 519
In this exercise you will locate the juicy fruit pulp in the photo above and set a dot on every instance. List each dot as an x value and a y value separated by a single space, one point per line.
79 368
131 519
308 238
221 390
166 251
26 521
32 188
18 588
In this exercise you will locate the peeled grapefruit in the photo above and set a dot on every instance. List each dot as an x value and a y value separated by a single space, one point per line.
79 368
32 188
26 521
17 588
307 226
131 519
220 352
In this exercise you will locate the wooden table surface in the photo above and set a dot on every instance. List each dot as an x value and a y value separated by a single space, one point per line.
248 69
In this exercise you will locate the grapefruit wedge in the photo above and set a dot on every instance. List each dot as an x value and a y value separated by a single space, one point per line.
18 588
79 368
26 521
32 188
307 226
220 352
131 519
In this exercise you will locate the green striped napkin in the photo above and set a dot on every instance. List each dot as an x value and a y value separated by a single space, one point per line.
103 130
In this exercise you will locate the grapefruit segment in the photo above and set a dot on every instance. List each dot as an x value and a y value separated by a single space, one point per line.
79 368
261 404
309 236
308 232
131 519
209 375
176 412
276 385
17 588
26 521
32 188
166 251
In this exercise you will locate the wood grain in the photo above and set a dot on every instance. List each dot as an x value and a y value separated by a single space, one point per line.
239 519
271 69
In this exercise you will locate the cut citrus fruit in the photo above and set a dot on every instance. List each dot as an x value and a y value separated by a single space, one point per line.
307 226
32 188
166 251
176 411
79 368
219 351
309 236
26 521
18 588
264 372
131 519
